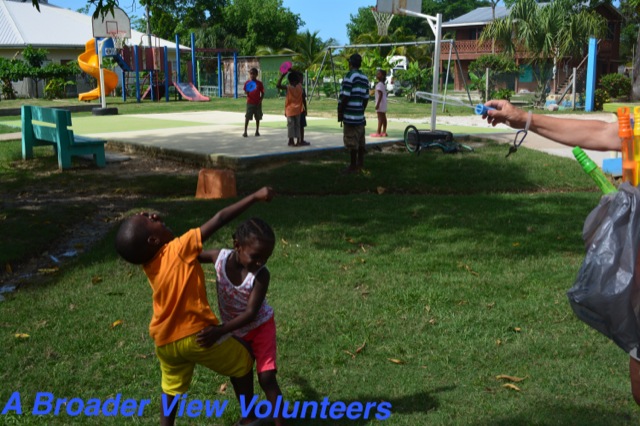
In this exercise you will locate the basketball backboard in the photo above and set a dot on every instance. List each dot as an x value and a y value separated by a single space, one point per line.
398 7
112 25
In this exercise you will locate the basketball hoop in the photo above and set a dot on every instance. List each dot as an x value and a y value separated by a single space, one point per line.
118 38
382 20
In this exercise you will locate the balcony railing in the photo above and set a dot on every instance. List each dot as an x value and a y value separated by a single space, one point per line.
473 47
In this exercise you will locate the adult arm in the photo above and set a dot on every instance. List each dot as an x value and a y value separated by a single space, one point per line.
229 213
211 334
590 134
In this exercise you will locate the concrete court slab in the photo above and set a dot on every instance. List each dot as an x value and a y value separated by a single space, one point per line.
219 142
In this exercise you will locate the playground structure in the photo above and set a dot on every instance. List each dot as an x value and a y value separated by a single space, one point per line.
88 62
109 34
150 70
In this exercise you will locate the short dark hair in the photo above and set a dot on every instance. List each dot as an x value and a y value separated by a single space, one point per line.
253 70
355 60
294 77
384 72
132 242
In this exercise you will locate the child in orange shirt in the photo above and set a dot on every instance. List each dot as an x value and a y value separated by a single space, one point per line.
181 311
293 106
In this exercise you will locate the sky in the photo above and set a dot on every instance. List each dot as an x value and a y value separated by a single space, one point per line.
328 17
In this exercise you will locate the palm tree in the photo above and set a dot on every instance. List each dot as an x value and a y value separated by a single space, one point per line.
310 49
555 31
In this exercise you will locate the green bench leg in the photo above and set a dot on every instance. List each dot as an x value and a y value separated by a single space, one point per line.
64 160
99 158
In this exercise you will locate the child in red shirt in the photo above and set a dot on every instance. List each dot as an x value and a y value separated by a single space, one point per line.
254 101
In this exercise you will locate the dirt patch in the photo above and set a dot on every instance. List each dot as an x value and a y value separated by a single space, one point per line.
85 234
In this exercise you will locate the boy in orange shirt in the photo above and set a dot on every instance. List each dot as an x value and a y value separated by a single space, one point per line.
293 107
180 307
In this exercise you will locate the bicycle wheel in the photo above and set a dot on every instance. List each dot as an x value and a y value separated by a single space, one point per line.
412 139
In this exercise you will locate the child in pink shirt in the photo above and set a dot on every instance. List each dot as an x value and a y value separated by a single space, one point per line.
381 104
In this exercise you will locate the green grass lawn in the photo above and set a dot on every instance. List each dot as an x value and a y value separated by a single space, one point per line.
416 283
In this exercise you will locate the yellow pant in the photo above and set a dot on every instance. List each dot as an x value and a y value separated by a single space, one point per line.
177 360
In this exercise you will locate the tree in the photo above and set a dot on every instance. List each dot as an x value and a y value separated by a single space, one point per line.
32 67
11 70
547 33
170 17
35 58
254 21
363 22
499 66
309 50
102 6
417 76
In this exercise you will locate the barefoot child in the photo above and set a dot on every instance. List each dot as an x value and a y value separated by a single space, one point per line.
181 311
242 284
381 104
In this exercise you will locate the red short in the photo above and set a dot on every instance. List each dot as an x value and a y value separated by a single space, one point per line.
263 344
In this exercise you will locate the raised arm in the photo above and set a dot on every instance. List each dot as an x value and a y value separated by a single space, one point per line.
279 83
229 213
590 134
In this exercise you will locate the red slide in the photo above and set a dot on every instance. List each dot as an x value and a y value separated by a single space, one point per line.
189 92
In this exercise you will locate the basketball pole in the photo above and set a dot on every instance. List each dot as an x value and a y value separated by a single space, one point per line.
103 98
436 26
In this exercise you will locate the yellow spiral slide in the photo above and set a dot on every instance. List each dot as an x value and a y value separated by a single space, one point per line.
88 62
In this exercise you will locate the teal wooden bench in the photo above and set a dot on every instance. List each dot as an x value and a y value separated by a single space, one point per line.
43 126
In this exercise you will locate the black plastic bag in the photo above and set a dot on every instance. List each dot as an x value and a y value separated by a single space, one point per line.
606 293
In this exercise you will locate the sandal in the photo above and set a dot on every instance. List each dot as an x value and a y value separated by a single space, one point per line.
375 135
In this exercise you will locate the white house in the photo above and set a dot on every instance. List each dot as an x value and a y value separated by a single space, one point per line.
62 32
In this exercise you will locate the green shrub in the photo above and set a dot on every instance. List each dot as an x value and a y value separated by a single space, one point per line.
56 88
616 85
329 89
6 89
502 94
601 97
